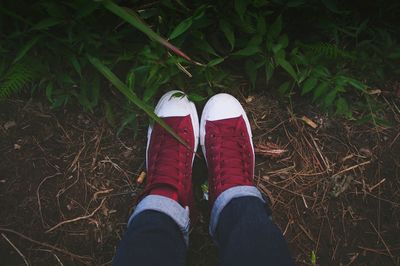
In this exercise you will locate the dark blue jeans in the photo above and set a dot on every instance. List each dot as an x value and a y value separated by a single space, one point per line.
245 235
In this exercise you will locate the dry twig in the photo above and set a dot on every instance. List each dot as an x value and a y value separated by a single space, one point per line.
65 252
383 242
16 249
77 218
38 195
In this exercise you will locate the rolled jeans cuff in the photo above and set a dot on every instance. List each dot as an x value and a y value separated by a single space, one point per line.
225 197
167 206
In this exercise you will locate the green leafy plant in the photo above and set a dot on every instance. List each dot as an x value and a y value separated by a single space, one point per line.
321 50
16 77
131 96
313 258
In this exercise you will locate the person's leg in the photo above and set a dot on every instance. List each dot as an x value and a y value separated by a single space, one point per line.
240 223
159 227
152 238
246 235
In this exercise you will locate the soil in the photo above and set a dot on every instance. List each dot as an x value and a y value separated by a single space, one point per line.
68 184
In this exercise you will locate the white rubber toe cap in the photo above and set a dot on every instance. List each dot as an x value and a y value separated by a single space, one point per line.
222 106
170 105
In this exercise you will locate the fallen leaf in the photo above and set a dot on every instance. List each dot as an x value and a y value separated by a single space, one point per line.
105 210
9 124
249 99
374 91
141 177
309 122
269 149
95 222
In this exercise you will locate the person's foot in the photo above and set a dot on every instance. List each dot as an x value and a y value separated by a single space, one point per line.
225 138
168 162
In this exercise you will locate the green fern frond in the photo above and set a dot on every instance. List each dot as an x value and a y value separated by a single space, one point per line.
16 78
329 50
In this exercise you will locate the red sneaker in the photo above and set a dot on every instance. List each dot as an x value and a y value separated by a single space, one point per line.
225 138
168 162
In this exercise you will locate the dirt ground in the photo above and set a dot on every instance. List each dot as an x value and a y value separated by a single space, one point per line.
68 184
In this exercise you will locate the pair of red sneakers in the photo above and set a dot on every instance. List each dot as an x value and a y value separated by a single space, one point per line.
225 137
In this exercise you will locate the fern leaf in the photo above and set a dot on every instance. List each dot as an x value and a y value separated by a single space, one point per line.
329 50
16 78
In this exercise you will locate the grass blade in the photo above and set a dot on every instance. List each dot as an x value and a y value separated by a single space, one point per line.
134 19
108 74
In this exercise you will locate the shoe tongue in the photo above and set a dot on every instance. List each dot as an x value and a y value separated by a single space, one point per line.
228 127
176 121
